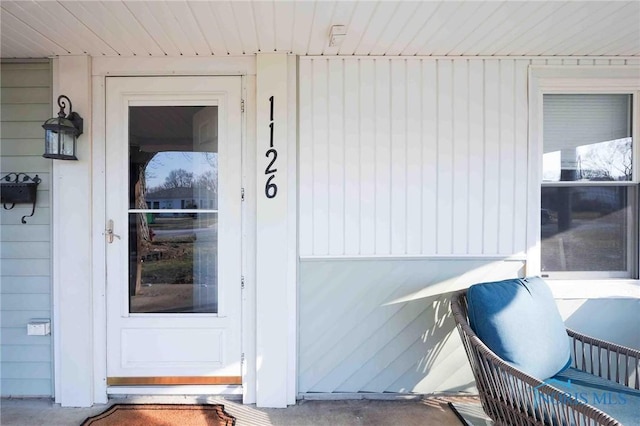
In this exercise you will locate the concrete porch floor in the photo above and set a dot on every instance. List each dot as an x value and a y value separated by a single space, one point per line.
427 411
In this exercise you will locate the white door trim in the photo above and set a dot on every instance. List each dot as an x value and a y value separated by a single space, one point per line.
99 219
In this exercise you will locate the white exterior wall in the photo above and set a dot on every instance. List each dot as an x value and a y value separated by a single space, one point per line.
25 249
413 182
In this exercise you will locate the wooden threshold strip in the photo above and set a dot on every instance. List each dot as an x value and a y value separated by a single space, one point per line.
174 380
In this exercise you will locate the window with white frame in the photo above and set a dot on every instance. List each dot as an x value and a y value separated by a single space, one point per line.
589 194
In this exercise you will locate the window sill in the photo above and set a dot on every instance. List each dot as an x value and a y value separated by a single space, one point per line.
595 289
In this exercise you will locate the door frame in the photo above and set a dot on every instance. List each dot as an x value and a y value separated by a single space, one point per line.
220 67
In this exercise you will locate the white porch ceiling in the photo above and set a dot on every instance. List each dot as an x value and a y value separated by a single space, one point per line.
199 28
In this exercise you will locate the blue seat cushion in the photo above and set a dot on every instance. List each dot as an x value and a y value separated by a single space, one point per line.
618 401
518 320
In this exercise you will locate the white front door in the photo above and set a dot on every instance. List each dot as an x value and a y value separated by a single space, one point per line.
173 178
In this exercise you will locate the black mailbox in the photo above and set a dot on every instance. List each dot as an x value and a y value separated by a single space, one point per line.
19 188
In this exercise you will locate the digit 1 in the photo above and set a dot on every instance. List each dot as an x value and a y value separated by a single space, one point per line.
271 101
271 138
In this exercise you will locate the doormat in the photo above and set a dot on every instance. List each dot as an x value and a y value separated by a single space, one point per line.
162 414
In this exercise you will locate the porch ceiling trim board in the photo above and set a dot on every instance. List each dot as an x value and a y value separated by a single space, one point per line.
168 65
165 28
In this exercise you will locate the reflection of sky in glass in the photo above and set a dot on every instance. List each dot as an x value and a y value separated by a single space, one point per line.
610 159
194 162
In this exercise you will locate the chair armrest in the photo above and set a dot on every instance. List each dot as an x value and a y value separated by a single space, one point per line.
605 359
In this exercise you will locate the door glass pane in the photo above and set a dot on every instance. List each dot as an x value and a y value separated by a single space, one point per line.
173 202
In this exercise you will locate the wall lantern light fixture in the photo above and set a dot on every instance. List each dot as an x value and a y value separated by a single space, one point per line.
61 132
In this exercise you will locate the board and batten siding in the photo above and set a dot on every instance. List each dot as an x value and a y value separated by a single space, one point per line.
413 183
25 249
412 157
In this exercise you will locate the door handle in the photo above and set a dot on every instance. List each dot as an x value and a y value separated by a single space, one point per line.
108 232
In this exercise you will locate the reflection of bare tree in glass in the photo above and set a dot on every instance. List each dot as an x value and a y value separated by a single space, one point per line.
178 178
208 180
607 161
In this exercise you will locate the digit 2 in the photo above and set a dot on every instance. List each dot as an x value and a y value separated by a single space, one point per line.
269 170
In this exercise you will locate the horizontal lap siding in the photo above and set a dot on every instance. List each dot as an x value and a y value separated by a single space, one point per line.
25 249
412 156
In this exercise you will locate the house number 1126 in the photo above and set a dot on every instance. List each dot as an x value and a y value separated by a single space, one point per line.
270 188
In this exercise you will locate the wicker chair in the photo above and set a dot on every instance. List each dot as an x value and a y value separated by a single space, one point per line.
511 397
